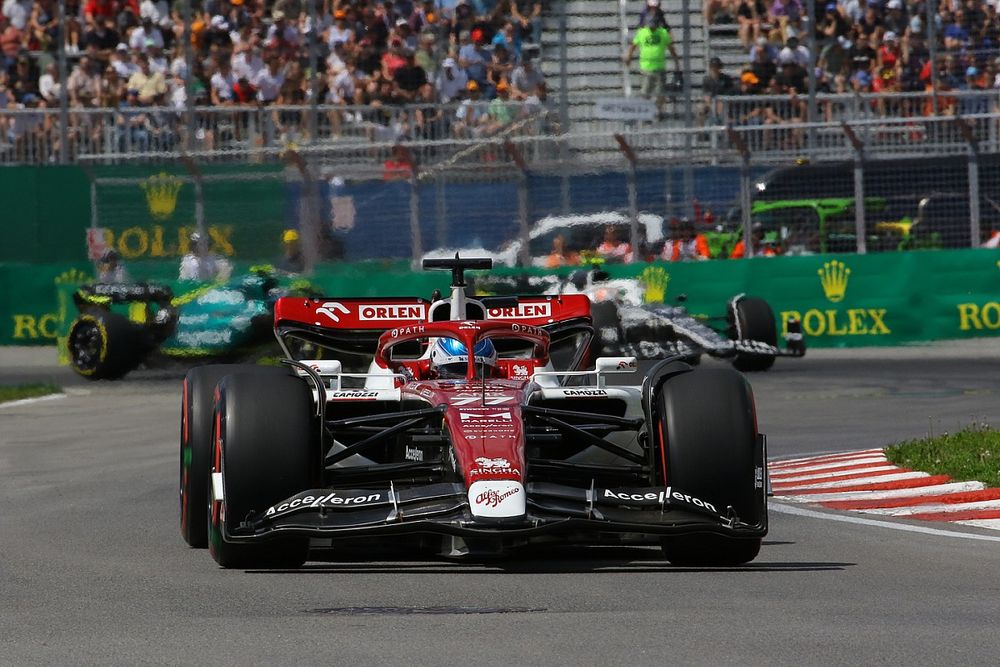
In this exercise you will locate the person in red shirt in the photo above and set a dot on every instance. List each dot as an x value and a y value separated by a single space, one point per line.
685 244
611 249
399 166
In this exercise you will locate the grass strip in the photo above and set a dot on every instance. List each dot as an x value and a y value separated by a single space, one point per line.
970 454
20 391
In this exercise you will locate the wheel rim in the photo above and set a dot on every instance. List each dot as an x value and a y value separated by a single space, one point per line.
85 344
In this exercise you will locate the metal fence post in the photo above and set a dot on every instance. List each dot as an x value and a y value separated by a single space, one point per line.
199 201
524 229
189 119
63 93
415 237
440 209
309 210
633 195
314 88
973 166
859 189
745 204
623 30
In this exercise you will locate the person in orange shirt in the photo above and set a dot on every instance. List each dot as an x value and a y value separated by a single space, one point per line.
611 249
685 244
560 256
760 249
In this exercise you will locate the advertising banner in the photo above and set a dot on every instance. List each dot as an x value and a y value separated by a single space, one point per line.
841 300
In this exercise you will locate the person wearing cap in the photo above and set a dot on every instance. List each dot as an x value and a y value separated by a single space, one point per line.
471 114
283 35
653 42
762 246
451 81
339 31
201 264
500 109
158 12
110 268
832 23
473 57
794 53
292 260
122 63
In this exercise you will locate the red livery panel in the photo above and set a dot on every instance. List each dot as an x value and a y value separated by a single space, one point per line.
376 313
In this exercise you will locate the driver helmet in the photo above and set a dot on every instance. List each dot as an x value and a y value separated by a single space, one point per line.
450 358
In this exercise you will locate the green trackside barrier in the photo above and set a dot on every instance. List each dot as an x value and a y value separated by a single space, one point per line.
842 300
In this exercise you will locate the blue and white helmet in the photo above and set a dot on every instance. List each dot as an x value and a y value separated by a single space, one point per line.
450 358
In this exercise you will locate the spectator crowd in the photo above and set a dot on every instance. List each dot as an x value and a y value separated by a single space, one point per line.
863 46
130 55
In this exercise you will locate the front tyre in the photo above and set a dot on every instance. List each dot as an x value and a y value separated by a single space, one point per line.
197 404
103 346
265 449
711 451
751 319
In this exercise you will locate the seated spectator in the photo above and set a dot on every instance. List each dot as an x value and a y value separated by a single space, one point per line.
527 15
146 35
501 66
11 42
221 84
749 15
785 14
102 37
48 85
507 39
84 83
831 24
794 53
410 78
43 26
500 110
895 19
339 32
122 62
430 118
471 115
451 81
762 247
427 54
684 244
473 57
525 80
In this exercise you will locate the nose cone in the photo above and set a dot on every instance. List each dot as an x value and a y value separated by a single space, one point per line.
496 499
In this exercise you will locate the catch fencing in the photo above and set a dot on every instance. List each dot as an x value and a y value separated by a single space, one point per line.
862 186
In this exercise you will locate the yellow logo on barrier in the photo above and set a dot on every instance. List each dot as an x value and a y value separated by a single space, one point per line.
656 279
833 277
161 194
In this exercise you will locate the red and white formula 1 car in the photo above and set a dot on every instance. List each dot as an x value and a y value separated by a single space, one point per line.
521 441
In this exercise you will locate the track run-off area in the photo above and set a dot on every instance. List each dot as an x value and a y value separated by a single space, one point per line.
93 569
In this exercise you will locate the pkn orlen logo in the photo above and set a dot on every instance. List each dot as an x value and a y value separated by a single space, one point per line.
161 193
834 277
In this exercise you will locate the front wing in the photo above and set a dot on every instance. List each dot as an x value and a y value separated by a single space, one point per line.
443 509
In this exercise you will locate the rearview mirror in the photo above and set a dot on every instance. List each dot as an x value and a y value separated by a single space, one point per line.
616 365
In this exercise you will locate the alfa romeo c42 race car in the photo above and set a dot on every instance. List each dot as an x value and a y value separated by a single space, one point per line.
522 440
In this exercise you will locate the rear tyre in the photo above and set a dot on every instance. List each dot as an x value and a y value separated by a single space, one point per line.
709 428
751 318
266 447
196 443
104 346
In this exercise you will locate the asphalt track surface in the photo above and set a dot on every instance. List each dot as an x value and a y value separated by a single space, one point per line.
93 569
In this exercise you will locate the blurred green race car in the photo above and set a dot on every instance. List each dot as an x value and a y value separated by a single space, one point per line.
122 325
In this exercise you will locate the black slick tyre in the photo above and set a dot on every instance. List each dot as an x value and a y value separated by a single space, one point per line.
751 318
710 440
103 345
266 447
197 403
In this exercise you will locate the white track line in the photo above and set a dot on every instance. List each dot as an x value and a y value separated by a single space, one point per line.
878 479
905 527
933 507
781 472
826 457
950 487
982 523
831 475
30 401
